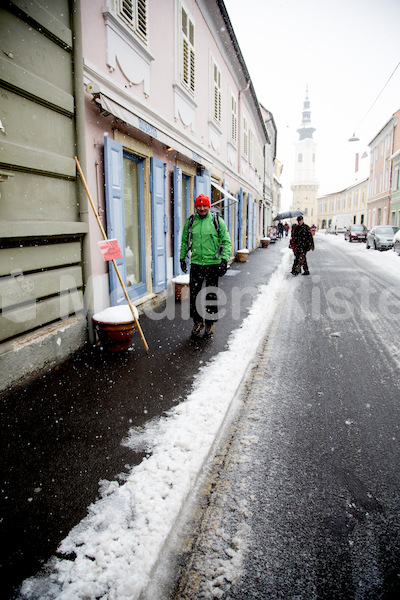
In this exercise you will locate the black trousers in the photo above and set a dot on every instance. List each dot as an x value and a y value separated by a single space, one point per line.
301 261
203 275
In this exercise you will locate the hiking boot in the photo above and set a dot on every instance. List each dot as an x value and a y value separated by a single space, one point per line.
197 327
306 273
209 330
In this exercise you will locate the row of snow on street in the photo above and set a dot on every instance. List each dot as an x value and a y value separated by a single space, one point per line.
117 545
387 261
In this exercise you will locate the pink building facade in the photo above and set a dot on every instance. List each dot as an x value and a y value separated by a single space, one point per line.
383 146
170 112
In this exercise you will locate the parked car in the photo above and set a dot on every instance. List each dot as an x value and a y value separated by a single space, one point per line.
396 243
356 233
339 223
381 237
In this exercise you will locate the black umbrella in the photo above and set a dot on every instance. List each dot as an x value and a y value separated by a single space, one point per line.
289 214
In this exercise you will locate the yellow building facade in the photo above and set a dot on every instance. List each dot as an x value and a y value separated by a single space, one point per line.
352 200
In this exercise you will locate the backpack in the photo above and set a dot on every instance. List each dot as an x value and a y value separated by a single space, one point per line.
215 217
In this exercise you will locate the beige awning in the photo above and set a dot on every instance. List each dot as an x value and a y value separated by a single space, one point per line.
224 192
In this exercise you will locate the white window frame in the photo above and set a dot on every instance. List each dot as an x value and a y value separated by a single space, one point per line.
215 92
187 55
233 106
245 149
251 147
134 14
387 178
395 182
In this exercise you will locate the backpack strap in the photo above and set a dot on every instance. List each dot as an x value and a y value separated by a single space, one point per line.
189 241
215 217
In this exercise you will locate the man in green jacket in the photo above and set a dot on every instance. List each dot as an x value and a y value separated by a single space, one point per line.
210 248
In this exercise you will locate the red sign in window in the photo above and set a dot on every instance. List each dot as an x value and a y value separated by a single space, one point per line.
110 249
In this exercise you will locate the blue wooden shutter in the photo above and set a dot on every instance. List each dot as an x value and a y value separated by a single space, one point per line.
230 218
201 186
250 221
240 233
255 211
178 225
226 201
236 235
114 192
159 224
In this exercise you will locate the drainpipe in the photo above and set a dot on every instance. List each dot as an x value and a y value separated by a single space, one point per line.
240 125
81 154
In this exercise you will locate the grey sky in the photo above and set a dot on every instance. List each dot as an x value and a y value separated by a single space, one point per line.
345 51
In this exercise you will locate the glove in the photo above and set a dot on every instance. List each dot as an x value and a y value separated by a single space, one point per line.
183 265
223 267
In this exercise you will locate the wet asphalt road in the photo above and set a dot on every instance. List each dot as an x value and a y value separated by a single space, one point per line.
305 489
62 433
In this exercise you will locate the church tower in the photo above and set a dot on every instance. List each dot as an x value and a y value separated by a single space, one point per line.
304 185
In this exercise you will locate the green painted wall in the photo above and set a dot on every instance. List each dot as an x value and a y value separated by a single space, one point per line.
41 280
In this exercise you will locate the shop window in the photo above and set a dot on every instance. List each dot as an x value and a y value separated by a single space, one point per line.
134 222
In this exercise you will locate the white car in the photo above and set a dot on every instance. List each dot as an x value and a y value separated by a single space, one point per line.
396 242
381 237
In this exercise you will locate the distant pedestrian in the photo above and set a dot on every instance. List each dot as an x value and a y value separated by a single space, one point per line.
304 242
280 229
286 227
207 237
292 245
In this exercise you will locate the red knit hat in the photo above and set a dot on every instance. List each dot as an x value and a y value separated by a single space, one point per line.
202 199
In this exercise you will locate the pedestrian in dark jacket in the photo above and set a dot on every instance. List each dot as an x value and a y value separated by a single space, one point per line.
210 252
292 245
304 242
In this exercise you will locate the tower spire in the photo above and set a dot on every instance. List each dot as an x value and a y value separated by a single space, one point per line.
306 130
305 184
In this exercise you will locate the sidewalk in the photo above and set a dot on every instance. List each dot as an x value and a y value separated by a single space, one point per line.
62 433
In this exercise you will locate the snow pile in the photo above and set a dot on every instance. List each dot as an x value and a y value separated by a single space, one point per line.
117 545
116 314
181 279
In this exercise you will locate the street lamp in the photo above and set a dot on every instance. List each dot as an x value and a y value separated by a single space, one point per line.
354 138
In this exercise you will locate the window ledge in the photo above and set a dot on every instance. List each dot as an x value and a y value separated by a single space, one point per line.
215 126
183 93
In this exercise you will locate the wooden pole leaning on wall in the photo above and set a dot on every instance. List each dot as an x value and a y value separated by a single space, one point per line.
113 261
